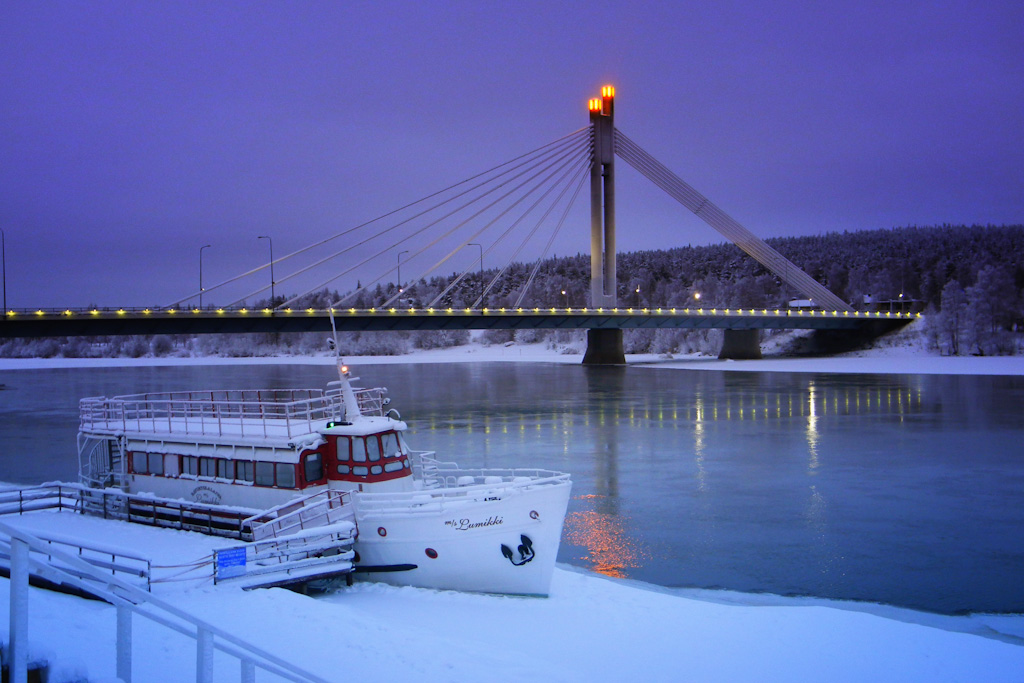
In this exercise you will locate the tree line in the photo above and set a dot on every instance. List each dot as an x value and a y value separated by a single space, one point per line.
968 281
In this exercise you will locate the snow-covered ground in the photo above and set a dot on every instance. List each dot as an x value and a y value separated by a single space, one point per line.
904 354
590 629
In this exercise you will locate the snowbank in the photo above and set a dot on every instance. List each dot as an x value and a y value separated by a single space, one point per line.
590 629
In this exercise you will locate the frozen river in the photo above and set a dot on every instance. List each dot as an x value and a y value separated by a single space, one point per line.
900 489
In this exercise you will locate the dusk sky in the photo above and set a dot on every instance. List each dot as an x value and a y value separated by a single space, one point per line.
131 134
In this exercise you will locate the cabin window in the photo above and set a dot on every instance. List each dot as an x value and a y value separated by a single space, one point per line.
171 463
392 449
344 448
376 469
393 466
344 469
225 469
264 474
361 471
207 467
189 464
139 463
285 475
156 463
373 448
359 449
314 467
244 471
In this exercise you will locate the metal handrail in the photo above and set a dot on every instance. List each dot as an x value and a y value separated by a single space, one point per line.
128 598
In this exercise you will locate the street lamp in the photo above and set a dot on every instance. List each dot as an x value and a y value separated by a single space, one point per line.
205 246
271 242
566 295
696 296
474 244
406 251
3 257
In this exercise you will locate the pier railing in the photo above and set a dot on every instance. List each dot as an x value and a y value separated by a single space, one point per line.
215 520
128 600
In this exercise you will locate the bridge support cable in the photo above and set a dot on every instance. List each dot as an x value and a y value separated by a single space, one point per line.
707 211
565 157
495 181
539 150
552 152
565 181
578 183
562 162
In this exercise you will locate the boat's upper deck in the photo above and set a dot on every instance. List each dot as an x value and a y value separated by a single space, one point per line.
249 414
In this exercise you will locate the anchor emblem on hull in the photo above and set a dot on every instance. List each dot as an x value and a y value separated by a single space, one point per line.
525 551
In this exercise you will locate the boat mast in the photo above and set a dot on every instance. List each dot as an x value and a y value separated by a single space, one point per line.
348 395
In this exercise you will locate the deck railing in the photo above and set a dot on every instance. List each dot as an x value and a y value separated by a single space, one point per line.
252 413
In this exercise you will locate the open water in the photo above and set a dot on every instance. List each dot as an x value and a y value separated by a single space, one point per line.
898 489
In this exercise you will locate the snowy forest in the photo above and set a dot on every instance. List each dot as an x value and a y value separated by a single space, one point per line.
968 281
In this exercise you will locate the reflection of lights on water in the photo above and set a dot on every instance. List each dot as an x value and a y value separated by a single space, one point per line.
812 429
609 547
698 446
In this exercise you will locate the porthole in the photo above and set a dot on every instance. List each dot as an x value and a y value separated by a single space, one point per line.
431 553
382 531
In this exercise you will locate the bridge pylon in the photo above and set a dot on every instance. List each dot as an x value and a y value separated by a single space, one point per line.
604 346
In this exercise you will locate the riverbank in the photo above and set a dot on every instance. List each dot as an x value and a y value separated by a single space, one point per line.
591 628
888 360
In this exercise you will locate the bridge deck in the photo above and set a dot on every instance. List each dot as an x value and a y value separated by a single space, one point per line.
170 321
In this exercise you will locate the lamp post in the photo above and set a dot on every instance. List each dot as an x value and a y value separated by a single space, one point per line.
399 277
271 242
3 257
566 295
474 244
205 246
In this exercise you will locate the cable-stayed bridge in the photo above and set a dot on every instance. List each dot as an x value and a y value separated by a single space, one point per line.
515 208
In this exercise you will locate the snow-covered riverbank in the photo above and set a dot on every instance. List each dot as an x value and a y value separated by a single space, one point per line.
897 359
590 629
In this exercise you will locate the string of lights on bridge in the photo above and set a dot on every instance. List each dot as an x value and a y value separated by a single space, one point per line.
340 312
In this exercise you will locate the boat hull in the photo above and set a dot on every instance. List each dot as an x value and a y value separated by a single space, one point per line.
499 542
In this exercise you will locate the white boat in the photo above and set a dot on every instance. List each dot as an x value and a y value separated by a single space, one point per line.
261 455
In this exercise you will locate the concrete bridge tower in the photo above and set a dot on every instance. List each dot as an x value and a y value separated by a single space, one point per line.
604 347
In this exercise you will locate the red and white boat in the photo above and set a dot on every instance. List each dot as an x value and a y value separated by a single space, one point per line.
419 522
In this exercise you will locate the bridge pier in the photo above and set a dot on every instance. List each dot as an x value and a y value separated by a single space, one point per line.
604 347
740 345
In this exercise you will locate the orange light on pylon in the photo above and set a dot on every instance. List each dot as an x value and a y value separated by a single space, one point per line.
608 91
594 104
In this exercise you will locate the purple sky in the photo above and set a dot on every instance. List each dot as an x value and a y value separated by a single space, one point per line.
131 134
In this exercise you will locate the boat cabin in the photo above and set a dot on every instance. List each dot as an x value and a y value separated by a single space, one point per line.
249 449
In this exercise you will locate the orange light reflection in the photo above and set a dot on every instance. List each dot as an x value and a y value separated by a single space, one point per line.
609 547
